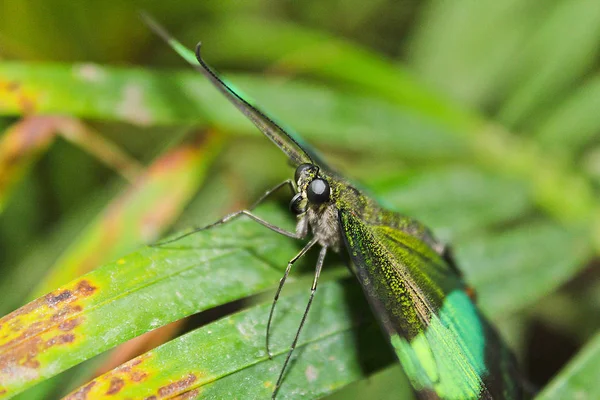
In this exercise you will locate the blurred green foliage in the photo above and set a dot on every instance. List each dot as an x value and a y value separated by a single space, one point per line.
478 117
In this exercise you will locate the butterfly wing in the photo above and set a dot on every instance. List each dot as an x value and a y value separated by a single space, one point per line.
445 345
292 145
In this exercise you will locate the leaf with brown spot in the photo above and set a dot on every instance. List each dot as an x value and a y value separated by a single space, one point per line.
149 288
15 95
227 358
116 384
339 119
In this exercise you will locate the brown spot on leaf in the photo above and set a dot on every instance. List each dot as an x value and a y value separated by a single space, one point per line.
69 324
151 398
68 338
18 359
116 384
31 363
137 376
192 394
85 288
53 300
177 387
129 366
49 322
11 160
60 339
137 361
12 86
128 372
81 393
16 94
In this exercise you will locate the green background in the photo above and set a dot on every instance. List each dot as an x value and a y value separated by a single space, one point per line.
480 118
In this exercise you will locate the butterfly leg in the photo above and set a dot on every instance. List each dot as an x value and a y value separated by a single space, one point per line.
248 213
313 289
302 252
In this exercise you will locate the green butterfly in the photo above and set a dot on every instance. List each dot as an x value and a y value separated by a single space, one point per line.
446 346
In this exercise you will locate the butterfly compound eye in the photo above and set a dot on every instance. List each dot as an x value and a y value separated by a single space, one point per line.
301 168
318 191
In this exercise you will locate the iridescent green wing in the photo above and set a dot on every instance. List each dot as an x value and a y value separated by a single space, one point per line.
292 145
445 345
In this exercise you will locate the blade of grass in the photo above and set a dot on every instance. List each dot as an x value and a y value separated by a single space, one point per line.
474 63
556 188
20 146
579 379
574 123
328 355
138 215
297 49
26 140
139 293
571 32
155 286
496 147
526 275
455 201
145 97
18 279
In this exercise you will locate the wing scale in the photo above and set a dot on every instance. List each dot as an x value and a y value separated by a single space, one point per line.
446 346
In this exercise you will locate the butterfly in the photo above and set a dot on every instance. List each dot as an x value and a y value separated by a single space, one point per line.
446 346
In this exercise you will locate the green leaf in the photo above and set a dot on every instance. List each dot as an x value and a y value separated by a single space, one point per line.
139 214
523 215
455 200
20 146
574 123
525 275
473 64
147 289
228 357
17 279
571 32
298 49
579 379
386 384
155 286
146 97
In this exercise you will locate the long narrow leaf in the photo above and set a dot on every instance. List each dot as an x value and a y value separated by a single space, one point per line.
579 379
146 97
138 215
227 359
136 294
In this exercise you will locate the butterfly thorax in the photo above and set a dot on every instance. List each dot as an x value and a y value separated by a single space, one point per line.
324 224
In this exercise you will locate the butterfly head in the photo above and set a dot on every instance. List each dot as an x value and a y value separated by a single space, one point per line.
313 190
